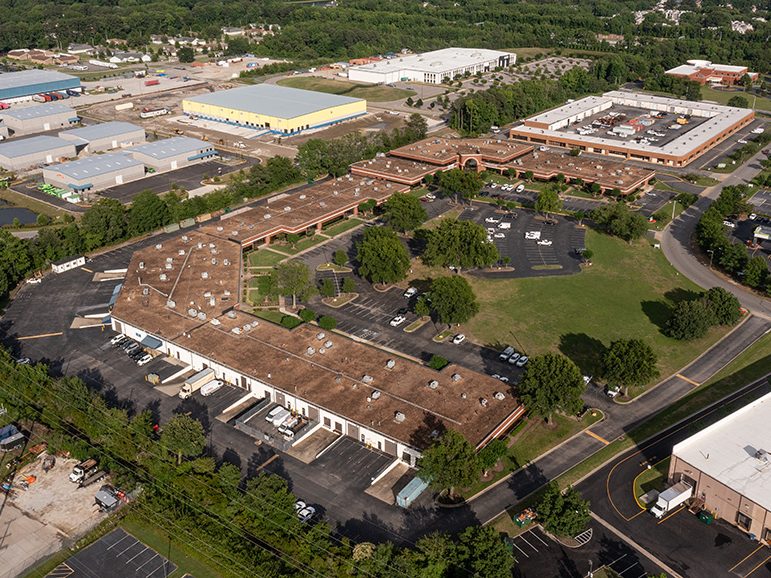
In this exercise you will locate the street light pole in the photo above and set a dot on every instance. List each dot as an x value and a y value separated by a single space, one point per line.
711 255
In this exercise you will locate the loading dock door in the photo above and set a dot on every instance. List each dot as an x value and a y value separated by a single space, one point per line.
353 431
280 398
313 413
173 165
46 126
390 447
118 179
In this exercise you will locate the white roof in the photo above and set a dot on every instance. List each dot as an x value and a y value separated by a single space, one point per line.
728 451
728 68
685 69
718 119
436 61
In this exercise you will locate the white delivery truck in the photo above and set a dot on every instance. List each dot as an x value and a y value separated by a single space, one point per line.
196 382
671 498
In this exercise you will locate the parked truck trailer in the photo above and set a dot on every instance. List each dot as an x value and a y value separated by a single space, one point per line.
196 382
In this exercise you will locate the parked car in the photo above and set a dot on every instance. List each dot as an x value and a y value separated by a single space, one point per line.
410 292
458 339
306 514
398 320
545 242
523 359
519 188
272 414
144 360
533 235
612 391
212 387
729 224
117 339
506 353
500 236
23 361
513 358
492 220
34 280
741 141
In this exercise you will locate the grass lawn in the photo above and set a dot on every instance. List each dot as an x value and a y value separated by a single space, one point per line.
376 93
703 181
722 97
23 201
751 364
301 245
258 290
628 292
654 478
666 210
342 227
264 258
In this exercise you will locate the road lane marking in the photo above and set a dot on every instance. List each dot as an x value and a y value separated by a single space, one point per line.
87 270
680 509
745 558
758 566
39 336
595 436
692 382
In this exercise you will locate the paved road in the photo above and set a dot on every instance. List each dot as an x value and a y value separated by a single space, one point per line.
677 246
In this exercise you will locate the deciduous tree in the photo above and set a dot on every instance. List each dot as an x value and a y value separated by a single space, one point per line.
724 305
449 463
382 257
453 300
294 278
461 244
183 436
552 383
629 363
563 513
404 212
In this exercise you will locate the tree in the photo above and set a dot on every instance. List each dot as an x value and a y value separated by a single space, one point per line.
382 257
147 213
340 258
449 463
756 272
307 315
460 184
327 287
453 300
617 220
422 306
461 244
327 322
416 127
491 454
437 362
183 436
629 363
548 201
739 101
404 212
689 320
564 514
349 285
481 552
552 382
294 278
103 223
186 54
724 305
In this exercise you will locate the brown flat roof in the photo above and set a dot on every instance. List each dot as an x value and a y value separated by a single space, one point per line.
295 212
444 151
608 174
394 169
192 303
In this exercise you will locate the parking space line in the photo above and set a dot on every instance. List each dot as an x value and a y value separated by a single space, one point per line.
118 542
745 558
692 382
39 336
539 538
595 436
129 548
150 560
526 542
680 509
520 549
140 553
758 566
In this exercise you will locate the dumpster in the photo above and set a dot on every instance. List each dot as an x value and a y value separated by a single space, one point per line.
706 516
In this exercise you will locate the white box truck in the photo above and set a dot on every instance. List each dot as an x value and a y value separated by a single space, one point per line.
671 498
196 382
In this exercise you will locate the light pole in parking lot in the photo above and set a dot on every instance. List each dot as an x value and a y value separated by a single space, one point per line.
711 255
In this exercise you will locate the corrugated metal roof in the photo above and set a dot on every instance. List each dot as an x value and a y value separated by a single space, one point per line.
38 111
103 130
36 144
437 61
272 100
24 77
170 147
97 165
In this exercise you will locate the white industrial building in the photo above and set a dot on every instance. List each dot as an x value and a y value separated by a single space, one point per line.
432 67
39 118
21 154
95 173
173 153
105 136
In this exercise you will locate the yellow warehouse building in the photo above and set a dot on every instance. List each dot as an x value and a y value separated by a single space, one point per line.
275 109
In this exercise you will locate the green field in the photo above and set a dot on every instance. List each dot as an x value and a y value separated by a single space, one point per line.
264 258
372 93
626 293
342 226
722 97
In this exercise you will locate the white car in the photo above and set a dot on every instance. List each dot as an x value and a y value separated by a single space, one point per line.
742 141
758 130
117 339
729 224
500 235
490 230
493 185
504 225
431 196
545 242
410 292
458 339
34 280
519 188
753 216
533 235
212 387
398 320
503 378
306 514
492 220
543 149
522 361
299 505
144 360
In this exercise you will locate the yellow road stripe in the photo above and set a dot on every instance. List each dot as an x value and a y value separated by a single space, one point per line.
595 436
680 509
758 566
87 270
39 336
747 556
681 376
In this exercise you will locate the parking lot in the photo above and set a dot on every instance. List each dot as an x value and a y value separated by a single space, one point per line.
721 152
761 200
653 201
118 555
528 197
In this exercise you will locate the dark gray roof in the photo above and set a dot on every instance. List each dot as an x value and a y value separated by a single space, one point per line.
24 77
103 130
38 111
170 147
36 144
90 167
273 100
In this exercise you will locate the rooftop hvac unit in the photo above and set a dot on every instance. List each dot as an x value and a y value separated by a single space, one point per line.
219 229
171 304
236 330
368 379
185 238
181 252
247 327
204 275
310 351
399 417
266 216
328 344
163 277
226 293
302 197
159 246
169 266
456 377
213 251
321 335
169 259
212 245
322 351
145 291
141 264
499 395
483 402
287 209
207 294
200 245
202 316
215 322
192 312
762 455
433 384
231 314
226 262
390 364
213 261
375 395
212 301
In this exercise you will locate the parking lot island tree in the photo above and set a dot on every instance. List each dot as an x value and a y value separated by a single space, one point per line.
563 513
459 244
552 382
629 363
481 552
453 300
340 258
404 212
450 463
460 184
548 201
183 436
381 256
294 278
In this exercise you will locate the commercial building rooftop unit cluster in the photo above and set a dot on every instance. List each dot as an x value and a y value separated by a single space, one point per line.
312 207
276 109
23 85
711 125
432 67
184 291
394 169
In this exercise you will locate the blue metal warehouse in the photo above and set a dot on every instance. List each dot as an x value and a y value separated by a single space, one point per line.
26 83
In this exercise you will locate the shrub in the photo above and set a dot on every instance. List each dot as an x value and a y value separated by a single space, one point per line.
307 315
438 362
327 322
290 322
